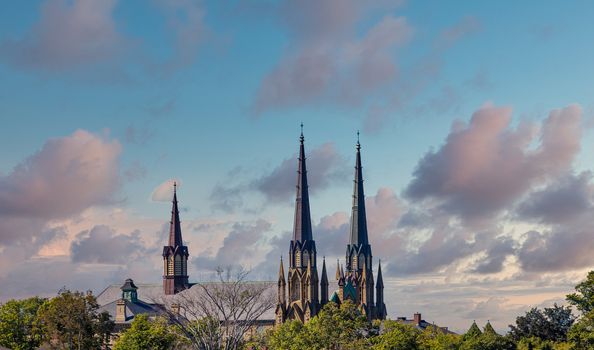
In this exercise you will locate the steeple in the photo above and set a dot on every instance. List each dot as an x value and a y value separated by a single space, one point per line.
302 227
175 254
324 284
281 272
358 218
380 279
175 236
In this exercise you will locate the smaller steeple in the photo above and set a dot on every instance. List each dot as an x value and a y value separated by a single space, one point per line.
281 273
337 269
324 284
281 284
380 279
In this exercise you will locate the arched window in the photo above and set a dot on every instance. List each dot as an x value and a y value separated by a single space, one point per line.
298 258
178 263
170 266
305 258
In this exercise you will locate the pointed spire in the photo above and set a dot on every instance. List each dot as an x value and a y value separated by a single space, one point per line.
281 272
380 279
337 269
175 236
358 217
324 280
302 226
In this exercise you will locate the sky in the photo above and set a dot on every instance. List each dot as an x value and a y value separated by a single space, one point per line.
476 130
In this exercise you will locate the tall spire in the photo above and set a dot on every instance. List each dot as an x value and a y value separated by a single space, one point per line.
302 226
175 236
358 217
324 274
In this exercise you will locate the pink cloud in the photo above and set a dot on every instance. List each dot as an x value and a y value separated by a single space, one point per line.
487 165
66 176
69 33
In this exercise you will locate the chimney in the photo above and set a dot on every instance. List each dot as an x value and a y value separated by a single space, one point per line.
120 311
417 319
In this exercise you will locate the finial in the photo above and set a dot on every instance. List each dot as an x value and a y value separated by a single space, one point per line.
174 187
301 138
358 144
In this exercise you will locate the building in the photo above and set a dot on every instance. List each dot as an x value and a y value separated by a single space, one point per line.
302 294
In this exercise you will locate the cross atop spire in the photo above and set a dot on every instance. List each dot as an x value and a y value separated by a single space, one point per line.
175 236
358 216
302 225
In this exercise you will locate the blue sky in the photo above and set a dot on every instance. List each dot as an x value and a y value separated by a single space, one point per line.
212 93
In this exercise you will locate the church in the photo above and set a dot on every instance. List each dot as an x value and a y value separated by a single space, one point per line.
303 294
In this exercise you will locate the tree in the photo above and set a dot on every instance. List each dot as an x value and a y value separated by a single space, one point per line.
18 328
338 327
583 299
488 339
147 334
551 324
473 332
581 335
291 335
435 338
71 321
219 315
397 335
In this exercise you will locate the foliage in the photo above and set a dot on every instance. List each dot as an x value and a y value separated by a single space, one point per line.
551 324
583 299
581 335
147 334
333 328
397 335
18 326
535 343
71 320
435 338
488 339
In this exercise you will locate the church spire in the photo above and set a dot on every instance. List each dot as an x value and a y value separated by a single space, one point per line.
175 236
302 226
358 217
380 279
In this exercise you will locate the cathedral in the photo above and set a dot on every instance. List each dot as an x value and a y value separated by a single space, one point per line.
302 294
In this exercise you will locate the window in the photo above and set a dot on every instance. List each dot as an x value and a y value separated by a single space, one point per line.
178 265
170 266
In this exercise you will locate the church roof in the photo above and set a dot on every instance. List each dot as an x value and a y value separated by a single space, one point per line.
132 309
302 226
152 294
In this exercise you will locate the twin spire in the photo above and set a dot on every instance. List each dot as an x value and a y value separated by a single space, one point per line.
302 227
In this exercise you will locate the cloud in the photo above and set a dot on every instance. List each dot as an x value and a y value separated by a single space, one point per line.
164 192
241 247
185 20
486 166
102 245
560 201
326 52
561 249
68 34
66 176
499 250
325 167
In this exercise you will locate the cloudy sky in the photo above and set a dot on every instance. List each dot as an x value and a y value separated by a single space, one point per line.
475 117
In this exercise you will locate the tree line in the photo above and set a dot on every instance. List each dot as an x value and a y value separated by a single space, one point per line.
71 320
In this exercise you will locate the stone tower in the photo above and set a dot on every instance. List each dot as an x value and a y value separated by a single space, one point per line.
302 301
175 255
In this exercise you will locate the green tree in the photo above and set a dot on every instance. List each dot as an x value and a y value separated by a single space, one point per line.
18 329
147 334
335 327
581 334
583 299
488 339
291 335
71 321
473 332
397 336
435 338
549 324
